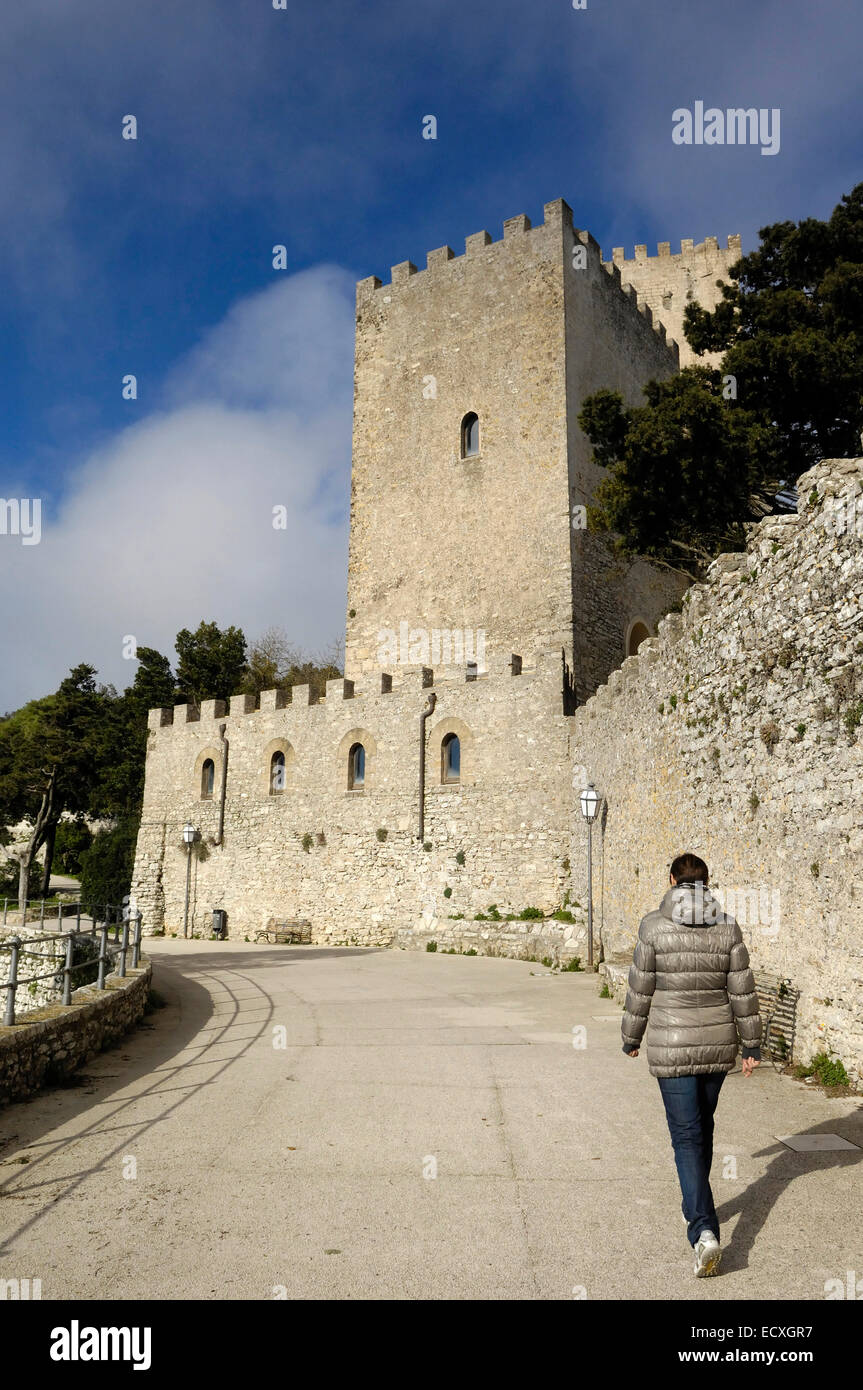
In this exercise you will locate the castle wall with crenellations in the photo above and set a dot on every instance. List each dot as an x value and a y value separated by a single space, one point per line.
350 861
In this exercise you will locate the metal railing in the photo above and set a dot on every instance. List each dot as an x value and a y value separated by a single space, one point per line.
60 908
108 951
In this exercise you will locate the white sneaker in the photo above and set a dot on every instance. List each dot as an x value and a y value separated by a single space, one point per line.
707 1255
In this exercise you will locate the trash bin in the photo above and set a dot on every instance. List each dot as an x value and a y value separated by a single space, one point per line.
220 923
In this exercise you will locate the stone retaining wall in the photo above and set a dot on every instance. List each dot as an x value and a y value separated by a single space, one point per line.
41 953
535 940
56 1039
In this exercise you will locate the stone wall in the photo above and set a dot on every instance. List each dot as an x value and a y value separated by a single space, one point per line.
667 282
734 734
56 1039
45 952
350 861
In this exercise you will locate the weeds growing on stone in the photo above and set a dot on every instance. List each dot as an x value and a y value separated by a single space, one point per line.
828 1070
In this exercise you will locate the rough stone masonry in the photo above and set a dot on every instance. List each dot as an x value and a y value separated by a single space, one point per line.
736 733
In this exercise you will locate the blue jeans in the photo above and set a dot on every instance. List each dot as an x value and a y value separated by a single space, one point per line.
689 1105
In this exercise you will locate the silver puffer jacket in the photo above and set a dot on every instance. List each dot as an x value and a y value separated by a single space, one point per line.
690 975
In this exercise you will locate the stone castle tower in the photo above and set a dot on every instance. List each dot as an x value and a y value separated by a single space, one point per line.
481 532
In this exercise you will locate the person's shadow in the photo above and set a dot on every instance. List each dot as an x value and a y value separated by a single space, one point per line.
755 1201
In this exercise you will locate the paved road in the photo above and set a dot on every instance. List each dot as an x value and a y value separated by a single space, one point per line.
304 1167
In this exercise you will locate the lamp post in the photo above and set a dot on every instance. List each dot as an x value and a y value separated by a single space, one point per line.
590 800
190 834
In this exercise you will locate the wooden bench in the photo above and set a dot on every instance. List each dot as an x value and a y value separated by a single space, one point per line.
777 1003
295 932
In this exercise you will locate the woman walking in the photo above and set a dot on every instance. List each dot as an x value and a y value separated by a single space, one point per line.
690 977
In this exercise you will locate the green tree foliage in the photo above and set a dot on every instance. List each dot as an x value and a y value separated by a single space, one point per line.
211 663
684 471
49 761
106 868
153 686
688 469
73 838
120 787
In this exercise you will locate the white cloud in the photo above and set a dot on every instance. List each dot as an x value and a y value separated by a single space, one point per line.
171 521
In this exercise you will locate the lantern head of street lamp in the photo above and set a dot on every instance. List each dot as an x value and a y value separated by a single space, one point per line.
189 832
590 800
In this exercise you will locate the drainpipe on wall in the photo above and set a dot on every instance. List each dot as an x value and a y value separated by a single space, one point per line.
429 709
220 832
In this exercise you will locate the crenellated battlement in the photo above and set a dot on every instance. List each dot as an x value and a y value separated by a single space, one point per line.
687 248
555 215
409 684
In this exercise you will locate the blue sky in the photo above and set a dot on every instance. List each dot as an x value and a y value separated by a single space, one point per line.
303 126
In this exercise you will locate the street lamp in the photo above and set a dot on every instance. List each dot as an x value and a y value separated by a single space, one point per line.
590 801
190 834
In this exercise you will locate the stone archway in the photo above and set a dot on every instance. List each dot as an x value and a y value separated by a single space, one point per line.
638 633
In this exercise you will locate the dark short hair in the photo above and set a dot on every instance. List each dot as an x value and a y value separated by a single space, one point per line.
688 867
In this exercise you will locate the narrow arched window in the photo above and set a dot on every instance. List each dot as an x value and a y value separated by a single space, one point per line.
638 634
450 759
356 767
277 773
469 435
208 778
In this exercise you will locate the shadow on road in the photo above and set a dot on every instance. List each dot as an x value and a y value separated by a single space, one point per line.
755 1201
222 957
175 1052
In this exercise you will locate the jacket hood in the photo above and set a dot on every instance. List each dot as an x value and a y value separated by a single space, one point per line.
691 905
